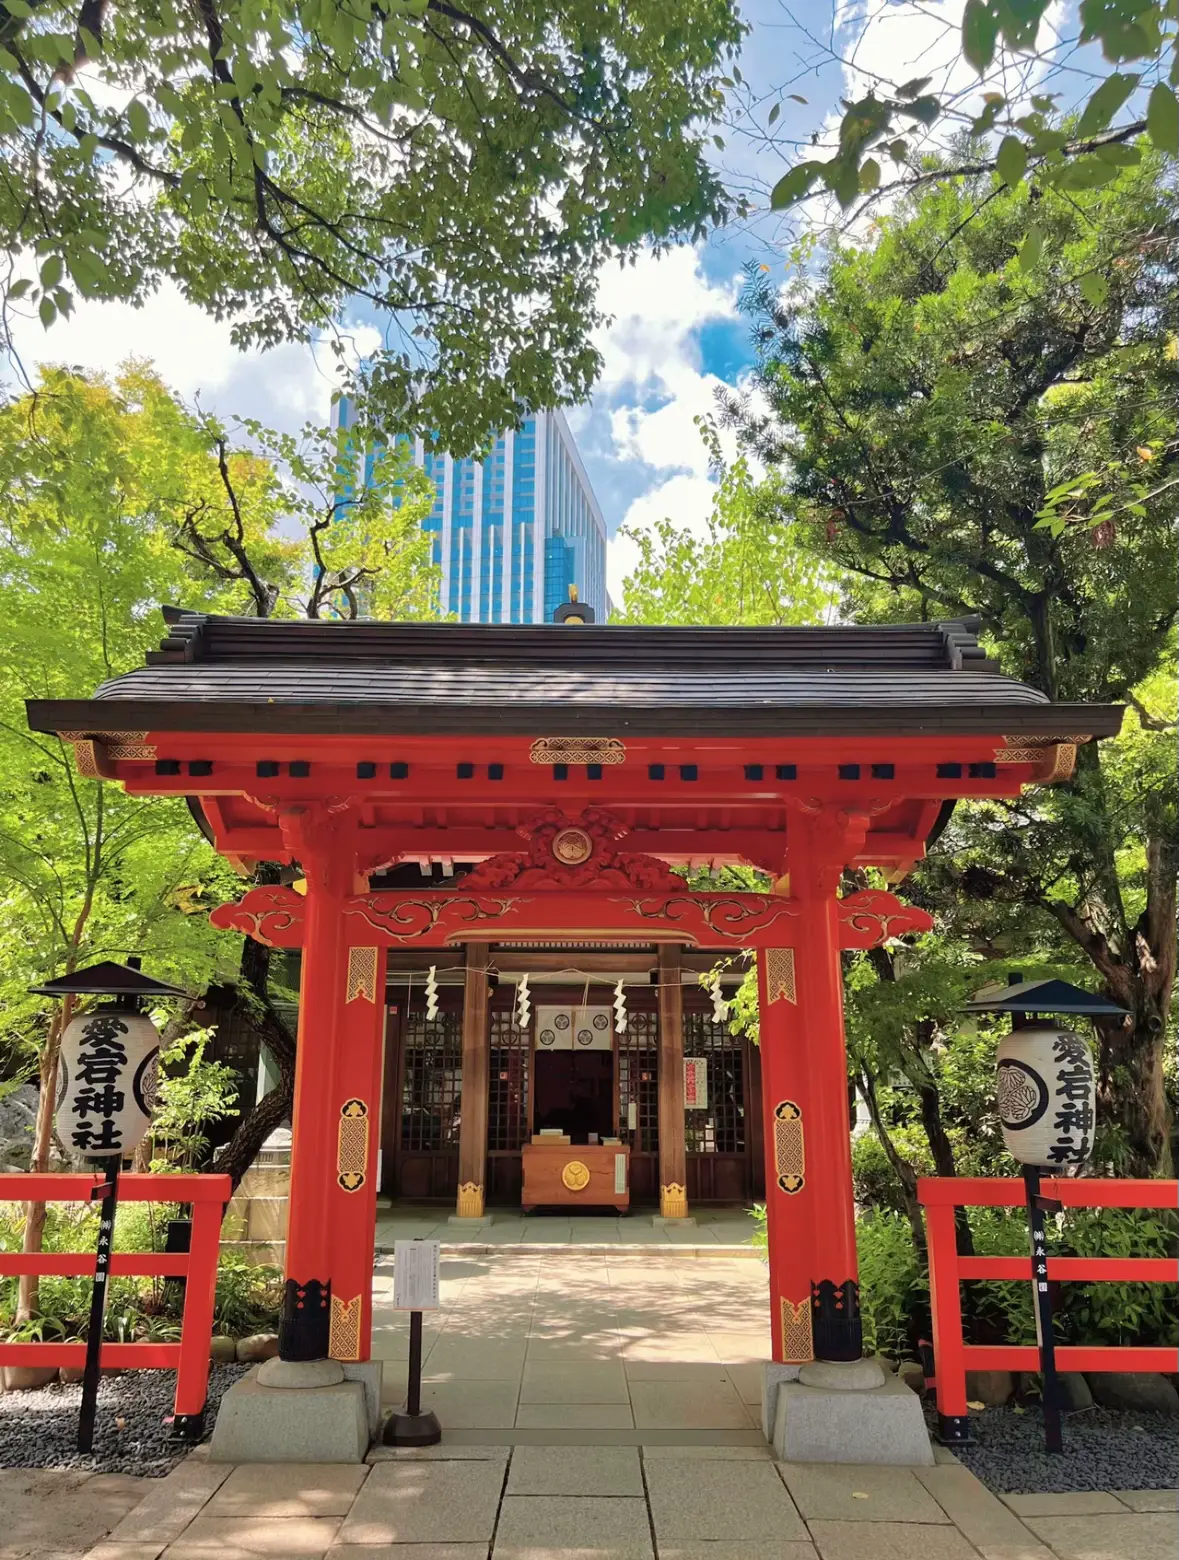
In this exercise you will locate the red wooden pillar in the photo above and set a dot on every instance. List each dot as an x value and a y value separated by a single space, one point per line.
809 1199
789 1199
328 1278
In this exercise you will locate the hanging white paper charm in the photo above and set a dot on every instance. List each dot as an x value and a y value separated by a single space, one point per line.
432 992
720 1008
620 1008
523 1003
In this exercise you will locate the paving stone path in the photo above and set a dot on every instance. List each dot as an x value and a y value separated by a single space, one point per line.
470 1502
597 1405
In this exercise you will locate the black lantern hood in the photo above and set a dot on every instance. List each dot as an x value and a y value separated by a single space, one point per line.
1041 996
107 979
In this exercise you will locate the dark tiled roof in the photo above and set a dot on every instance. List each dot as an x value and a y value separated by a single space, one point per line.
264 675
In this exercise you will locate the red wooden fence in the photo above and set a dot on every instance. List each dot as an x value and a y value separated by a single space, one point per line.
208 1195
952 1356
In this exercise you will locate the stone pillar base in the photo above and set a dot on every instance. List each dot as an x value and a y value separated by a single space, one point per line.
774 1373
832 1424
300 1423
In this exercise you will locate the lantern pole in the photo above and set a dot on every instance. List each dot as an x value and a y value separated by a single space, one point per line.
108 1192
128 986
1061 1092
1042 1298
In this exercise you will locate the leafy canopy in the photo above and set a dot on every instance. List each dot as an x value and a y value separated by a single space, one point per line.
114 499
921 405
750 566
925 397
1028 135
461 170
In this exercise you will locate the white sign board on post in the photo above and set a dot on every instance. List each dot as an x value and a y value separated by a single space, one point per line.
415 1275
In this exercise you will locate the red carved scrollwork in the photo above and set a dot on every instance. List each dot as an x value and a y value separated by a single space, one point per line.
436 918
579 852
872 916
269 915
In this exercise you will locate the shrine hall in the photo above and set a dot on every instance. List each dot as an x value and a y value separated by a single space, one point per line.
501 849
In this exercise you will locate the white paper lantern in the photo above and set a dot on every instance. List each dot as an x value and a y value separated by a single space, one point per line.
1047 1096
109 1061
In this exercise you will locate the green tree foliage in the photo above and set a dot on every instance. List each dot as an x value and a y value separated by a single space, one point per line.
1018 134
464 169
115 499
748 567
926 396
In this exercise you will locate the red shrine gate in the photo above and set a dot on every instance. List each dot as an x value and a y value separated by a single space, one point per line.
348 747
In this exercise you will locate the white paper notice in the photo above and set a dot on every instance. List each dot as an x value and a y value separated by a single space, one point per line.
619 1174
415 1275
632 1116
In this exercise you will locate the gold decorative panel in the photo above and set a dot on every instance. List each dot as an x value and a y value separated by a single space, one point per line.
86 756
469 1202
780 974
362 975
673 1201
797 1339
789 1147
577 750
352 1145
1055 761
344 1330
575 1176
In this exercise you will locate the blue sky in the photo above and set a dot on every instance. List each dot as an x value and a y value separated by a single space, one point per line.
676 333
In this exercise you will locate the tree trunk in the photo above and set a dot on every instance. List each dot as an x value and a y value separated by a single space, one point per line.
274 1108
28 1286
906 1175
1132 1093
942 1152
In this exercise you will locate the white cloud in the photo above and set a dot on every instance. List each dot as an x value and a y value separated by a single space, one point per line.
655 306
685 500
193 355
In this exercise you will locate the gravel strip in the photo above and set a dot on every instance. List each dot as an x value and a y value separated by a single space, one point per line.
40 1429
1104 1449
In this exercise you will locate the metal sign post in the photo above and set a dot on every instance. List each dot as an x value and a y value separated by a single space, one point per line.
415 1289
109 1193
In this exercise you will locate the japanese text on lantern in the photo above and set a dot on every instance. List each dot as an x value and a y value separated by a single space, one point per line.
98 1099
1074 1100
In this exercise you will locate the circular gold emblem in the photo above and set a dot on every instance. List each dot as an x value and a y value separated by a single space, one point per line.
575 1176
573 846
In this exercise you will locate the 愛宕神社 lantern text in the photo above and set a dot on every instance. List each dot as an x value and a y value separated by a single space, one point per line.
1047 1096
109 1059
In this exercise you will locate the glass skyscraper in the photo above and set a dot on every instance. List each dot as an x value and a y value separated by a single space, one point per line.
513 532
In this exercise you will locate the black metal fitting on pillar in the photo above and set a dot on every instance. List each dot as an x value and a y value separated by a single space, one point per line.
836 1329
187 1427
304 1323
954 1430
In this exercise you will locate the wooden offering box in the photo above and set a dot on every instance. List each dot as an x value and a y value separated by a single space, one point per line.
586 1175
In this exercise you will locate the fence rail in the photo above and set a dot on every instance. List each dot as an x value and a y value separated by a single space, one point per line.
208 1195
953 1357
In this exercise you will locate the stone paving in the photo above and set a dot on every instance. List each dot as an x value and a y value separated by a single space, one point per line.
596 1405
587 1340
724 1226
644 1502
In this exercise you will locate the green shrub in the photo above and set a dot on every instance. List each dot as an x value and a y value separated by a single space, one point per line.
894 1286
876 1183
249 1296
247 1300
